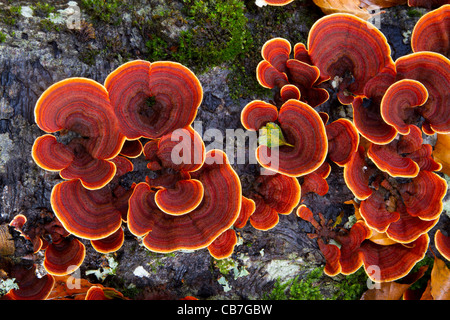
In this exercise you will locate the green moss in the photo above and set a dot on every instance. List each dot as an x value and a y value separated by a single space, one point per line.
42 9
219 33
414 13
2 37
298 289
351 287
107 11
10 15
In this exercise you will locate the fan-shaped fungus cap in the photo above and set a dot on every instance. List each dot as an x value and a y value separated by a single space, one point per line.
427 3
303 128
274 2
197 229
431 32
153 99
399 103
442 244
247 208
375 214
346 46
111 243
423 195
393 261
408 228
64 257
316 181
275 194
102 293
80 106
357 174
343 141
432 70
257 113
178 196
404 157
30 286
89 214
223 246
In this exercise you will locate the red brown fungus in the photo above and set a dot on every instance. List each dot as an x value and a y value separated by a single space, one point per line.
303 130
427 3
177 193
408 228
247 208
223 246
431 32
392 261
257 114
400 103
339 247
316 181
219 209
343 141
277 2
153 99
132 148
31 287
80 106
64 257
405 156
432 70
88 214
442 244
423 195
278 70
359 52
102 293
375 213
274 194
357 175
111 243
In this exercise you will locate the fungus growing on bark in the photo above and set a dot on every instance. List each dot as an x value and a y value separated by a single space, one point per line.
302 127
88 214
393 261
273 2
64 257
197 229
79 106
400 102
153 99
442 244
177 192
278 70
316 181
404 157
343 141
223 246
31 287
431 32
111 243
102 293
274 194
432 70
359 53
427 3
357 174
247 208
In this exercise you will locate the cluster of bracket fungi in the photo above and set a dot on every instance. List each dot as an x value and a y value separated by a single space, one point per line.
93 130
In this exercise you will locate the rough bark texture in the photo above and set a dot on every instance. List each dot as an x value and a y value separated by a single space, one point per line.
34 56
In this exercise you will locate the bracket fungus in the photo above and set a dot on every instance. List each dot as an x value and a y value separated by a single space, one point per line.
432 70
153 99
174 160
80 106
219 209
359 53
405 156
303 129
274 194
278 70
442 243
431 32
